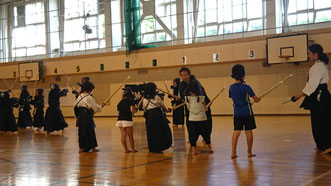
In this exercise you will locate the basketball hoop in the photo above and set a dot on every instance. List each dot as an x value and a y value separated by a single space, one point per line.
286 57
28 74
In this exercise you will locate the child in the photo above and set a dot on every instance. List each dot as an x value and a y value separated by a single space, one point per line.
197 123
87 107
243 114
54 120
75 92
38 113
159 136
8 119
126 109
178 114
24 115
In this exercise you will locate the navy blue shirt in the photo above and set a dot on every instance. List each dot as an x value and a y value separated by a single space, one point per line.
240 94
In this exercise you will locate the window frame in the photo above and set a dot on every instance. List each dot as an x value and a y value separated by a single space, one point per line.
26 48
86 39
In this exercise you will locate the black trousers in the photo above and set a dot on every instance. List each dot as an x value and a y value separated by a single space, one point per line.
197 128
86 134
319 104
321 128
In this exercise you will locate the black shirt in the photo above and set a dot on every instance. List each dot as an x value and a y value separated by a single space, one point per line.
124 109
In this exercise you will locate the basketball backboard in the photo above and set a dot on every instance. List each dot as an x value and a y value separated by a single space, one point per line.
287 49
29 71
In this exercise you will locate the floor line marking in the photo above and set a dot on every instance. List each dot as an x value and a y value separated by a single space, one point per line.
315 178
123 168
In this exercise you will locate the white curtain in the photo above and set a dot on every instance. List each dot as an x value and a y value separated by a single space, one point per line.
285 25
196 4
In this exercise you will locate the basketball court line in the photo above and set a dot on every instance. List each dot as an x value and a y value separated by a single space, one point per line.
13 172
123 168
315 178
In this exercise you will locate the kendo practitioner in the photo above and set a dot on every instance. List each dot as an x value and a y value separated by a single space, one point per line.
24 115
177 114
318 98
8 121
38 112
159 136
84 79
188 78
87 107
54 120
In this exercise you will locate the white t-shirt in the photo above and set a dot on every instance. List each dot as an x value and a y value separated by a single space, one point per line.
197 109
87 102
318 74
156 102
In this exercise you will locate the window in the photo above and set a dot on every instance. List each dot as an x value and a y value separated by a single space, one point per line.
2 37
2 58
308 11
84 25
159 24
117 22
28 34
217 17
74 27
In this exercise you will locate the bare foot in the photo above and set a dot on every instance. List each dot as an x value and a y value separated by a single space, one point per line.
127 151
194 151
210 149
234 156
250 155
134 151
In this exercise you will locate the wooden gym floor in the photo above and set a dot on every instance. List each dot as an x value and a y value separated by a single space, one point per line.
284 148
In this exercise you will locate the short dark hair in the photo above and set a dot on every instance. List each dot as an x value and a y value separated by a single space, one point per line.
194 88
238 72
127 92
185 69
87 86
150 91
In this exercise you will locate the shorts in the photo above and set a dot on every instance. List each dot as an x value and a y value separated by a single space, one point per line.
123 123
197 128
244 123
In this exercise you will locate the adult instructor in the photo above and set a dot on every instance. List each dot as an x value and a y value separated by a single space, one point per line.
318 98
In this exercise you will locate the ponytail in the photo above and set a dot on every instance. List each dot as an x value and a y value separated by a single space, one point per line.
323 57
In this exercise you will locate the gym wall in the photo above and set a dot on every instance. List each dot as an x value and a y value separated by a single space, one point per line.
213 76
